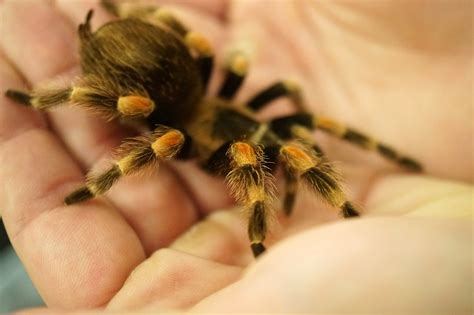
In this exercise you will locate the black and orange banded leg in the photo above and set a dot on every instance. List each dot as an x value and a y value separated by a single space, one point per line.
89 94
205 54
195 41
236 70
284 88
250 185
362 140
40 99
303 163
135 154
291 188
285 128
303 136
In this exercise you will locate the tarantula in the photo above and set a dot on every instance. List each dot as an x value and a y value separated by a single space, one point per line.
147 65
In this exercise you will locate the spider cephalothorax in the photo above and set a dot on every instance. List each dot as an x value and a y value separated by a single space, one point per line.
148 66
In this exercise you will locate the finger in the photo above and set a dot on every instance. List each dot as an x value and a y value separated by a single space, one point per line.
58 311
24 119
73 254
351 261
76 11
209 192
170 279
222 236
156 206
214 8
38 50
420 196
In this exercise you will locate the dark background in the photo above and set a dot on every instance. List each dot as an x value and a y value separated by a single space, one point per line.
16 290
4 242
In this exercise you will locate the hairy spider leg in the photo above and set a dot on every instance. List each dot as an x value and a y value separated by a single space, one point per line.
303 163
205 54
91 94
358 138
195 41
43 99
284 127
235 71
291 188
305 137
284 88
251 186
134 155
320 175
329 125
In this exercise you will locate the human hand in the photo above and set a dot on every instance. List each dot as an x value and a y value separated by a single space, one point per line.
80 256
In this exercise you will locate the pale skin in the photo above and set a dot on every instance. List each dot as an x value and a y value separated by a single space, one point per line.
400 71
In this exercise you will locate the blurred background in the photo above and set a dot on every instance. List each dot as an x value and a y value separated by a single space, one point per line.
16 289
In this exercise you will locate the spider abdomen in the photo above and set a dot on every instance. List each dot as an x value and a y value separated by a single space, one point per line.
134 57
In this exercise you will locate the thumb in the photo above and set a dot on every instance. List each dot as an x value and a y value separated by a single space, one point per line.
406 265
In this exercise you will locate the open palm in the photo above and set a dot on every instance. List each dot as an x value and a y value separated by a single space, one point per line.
378 67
